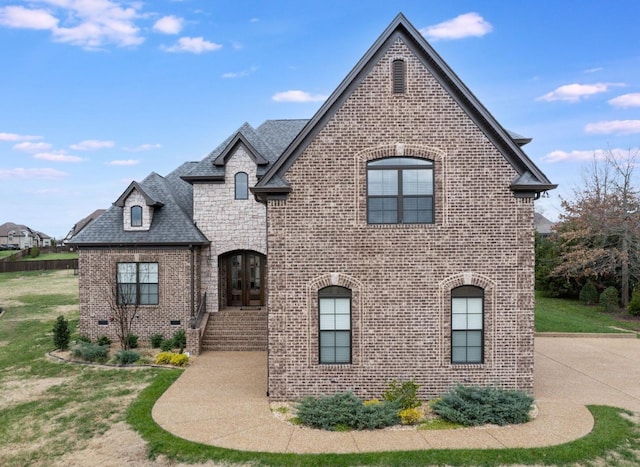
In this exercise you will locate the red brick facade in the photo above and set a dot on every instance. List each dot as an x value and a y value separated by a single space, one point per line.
401 276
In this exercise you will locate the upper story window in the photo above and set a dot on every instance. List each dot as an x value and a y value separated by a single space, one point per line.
467 324
335 325
137 283
398 73
242 185
400 191
136 216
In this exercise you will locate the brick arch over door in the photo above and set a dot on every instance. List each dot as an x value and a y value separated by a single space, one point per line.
396 149
357 301
444 299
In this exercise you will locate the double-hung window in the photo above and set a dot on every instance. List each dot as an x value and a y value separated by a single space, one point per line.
467 324
335 325
400 191
137 283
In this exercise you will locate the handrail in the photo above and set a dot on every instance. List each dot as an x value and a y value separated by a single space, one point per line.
202 308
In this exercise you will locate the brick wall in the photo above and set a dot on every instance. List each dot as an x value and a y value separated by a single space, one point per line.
401 276
229 224
97 280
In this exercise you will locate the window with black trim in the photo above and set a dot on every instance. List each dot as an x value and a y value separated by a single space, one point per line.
137 283
467 324
242 185
335 324
400 191
136 216
398 72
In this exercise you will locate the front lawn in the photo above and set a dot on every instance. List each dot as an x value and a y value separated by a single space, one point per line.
562 315
52 256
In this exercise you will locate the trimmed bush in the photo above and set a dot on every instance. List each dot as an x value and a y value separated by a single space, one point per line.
180 339
103 340
634 304
166 345
61 334
127 357
475 405
156 340
90 352
589 294
609 300
132 341
410 416
164 358
34 252
405 394
179 359
345 411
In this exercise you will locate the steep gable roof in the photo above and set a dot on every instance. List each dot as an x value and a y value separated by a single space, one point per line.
530 180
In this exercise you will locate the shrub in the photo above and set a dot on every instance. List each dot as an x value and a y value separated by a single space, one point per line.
103 340
179 359
342 410
126 357
405 394
83 339
164 358
474 405
589 294
609 299
180 339
634 303
410 416
132 341
90 352
156 340
166 345
61 333
371 402
34 252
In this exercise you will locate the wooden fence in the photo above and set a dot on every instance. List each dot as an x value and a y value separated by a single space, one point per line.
21 266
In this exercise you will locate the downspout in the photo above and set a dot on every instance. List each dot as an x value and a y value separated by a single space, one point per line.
192 286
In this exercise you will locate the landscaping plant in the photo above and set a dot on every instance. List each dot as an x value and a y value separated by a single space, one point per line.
405 394
609 299
61 333
589 294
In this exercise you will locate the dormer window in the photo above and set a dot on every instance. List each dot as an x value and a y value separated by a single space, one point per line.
136 216
242 185
398 76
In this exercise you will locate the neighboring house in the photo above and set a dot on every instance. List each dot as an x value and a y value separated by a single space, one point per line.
390 237
543 225
21 236
81 224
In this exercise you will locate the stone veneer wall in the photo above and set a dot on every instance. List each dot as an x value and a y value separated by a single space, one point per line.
230 224
97 279
401 276
136 199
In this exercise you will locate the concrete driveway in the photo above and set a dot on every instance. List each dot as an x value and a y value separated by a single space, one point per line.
220 400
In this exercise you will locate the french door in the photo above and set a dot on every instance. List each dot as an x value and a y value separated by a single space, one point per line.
245 278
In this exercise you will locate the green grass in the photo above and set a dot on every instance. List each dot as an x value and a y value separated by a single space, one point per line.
52 256
562 315
5 253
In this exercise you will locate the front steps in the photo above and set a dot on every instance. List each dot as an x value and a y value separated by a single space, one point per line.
236 329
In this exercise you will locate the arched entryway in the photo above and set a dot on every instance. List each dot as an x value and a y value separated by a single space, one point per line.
242 278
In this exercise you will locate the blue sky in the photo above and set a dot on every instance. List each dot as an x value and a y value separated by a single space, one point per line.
96 93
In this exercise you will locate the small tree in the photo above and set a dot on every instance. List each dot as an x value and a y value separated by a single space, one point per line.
123 300
609 299
634 304
61 333
589 294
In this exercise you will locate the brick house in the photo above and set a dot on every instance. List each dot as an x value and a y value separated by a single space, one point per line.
388 237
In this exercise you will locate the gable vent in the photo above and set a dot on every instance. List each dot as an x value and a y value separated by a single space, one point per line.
398 76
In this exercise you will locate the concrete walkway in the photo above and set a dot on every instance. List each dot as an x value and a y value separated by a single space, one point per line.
221 400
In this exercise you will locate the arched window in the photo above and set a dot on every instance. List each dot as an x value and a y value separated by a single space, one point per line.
242 185
400 191
335 325
467 324
398 76
136 216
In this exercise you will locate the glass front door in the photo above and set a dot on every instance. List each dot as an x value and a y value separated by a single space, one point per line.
245 279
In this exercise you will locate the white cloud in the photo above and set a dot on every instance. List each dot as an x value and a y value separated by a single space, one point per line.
466 25
195 45
15 137
239 74
575 92
142 147
582 156
168 25
24 18
28 146
57 157
298 96
617 127
626 100
92 145
91 24
123 162
47 174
